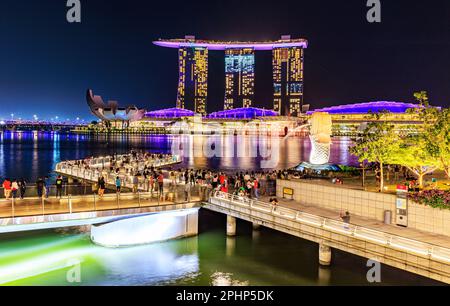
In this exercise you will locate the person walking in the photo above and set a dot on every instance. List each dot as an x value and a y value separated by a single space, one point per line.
59 186
47 186
22 187
7 188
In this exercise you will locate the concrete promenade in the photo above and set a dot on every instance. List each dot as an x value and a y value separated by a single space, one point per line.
415 251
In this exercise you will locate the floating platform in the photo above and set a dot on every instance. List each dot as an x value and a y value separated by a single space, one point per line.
324 167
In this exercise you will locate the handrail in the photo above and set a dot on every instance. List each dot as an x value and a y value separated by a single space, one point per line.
380 237
96 168
69 204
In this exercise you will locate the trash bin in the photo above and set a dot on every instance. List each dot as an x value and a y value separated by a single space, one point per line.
387 216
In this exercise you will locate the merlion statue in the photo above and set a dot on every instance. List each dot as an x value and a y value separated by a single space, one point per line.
320 136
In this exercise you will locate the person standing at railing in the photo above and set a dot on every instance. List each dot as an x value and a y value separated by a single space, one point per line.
346 219
59 186
151 183
14 188
7 188
173 180
249 187
101 186
187 192
160 184
40 187
22 187
47 184
274 202
256 188
118 184
135 183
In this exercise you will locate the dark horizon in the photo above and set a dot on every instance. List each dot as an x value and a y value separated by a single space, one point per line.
47 63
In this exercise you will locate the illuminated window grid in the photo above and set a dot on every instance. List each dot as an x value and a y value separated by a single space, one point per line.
239 72
290 59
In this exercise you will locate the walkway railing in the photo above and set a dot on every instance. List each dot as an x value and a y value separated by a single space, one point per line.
68 204
98 166
351 230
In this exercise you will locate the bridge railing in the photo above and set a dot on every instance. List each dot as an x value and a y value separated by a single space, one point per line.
387 239
91 202
98 167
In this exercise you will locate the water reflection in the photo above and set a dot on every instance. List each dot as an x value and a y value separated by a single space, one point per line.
33 154
48 258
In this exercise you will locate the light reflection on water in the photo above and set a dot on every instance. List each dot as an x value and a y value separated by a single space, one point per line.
211 258
29 155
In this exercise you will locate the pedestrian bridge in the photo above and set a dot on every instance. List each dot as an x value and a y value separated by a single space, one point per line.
99 166
415 256
42 213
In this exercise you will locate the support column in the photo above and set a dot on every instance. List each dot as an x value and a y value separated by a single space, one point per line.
324 255
230 246
324 276
231 226
256 226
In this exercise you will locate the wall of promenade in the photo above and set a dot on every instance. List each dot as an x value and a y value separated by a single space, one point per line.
366 204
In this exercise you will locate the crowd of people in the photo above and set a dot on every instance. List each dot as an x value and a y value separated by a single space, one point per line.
251 184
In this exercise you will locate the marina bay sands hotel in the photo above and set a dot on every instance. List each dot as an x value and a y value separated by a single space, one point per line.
287 66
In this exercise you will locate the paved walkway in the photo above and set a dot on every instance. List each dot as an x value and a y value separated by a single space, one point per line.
436 239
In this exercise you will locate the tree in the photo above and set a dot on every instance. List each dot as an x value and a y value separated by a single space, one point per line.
437 139
435 131
377 143
414 155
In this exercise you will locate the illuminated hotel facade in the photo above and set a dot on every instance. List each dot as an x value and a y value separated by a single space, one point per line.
193 79
287 65
239 78
287 61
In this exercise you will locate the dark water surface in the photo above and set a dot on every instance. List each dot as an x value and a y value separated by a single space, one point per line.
30 155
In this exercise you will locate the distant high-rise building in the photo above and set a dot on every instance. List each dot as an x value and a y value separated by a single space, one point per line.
287 66
193 79
239 78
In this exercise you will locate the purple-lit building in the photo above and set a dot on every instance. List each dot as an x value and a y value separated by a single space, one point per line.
369 107
170 113
242 113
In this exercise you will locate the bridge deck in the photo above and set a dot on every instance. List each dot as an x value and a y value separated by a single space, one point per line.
410 233
53 206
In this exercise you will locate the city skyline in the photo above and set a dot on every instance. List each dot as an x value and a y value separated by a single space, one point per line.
348 60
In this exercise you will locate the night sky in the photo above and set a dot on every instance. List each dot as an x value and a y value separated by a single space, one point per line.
46 63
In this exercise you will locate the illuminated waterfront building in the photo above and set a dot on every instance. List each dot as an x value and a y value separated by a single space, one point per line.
287 65
240 72
239 78
193 79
